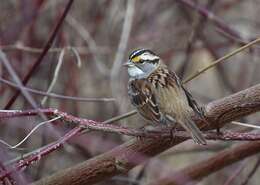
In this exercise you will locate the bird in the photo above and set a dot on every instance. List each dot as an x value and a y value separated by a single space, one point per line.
158 94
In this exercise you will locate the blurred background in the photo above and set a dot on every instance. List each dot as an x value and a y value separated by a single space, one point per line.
85 61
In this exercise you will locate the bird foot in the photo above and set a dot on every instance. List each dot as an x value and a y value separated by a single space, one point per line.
218 131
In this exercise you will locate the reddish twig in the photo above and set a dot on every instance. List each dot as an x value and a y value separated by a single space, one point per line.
24 163
105 127
21 113
42 55
8 177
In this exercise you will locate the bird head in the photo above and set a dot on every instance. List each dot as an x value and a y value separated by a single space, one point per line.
141 63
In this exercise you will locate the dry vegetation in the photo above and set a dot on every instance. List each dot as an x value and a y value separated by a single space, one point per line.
76 49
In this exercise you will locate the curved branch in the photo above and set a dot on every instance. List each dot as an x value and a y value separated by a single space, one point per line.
211 165
124 157
226 28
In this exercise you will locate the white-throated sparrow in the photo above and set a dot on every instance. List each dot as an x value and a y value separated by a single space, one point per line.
158 94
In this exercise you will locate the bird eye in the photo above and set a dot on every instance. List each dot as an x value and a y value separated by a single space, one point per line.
137 60
141 61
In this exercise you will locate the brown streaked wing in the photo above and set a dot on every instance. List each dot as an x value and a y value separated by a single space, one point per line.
142 97
164 78
192 102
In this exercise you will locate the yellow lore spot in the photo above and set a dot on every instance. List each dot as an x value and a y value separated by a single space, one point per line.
136 59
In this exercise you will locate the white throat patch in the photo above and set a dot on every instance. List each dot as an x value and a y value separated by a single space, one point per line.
135 72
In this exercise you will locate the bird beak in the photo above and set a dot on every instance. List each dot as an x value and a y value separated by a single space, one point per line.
127 64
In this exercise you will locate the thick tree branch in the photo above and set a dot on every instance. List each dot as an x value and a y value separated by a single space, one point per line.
125 157
211 165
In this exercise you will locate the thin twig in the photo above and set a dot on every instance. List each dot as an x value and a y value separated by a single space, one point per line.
55 76
229 86
252 172
58 96
116 118
236 173
25 162
216 20
17 80
197 28
42 55
83 32
120 117
76 53
115 80
29 134
222 59
81 50
245 124
128 20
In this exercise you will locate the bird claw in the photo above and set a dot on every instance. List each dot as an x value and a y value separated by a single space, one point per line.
218 131
173 136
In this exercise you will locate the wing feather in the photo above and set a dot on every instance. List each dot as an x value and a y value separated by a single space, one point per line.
143 98
191 101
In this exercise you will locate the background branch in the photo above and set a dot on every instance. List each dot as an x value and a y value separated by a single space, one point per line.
206 167
43 53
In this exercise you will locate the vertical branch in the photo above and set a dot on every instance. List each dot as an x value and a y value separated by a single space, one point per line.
42 55
124 38
198 27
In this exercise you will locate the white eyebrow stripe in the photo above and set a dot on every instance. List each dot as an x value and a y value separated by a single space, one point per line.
148 57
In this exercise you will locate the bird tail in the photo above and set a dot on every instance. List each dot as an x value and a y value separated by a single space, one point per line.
192 128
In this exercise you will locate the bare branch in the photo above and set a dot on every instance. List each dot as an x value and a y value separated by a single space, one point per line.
21 47
58 96
44 52
28 135
124 38
17 80
216 20
23 163
83 32
222 59
204 168
252 172
55 75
